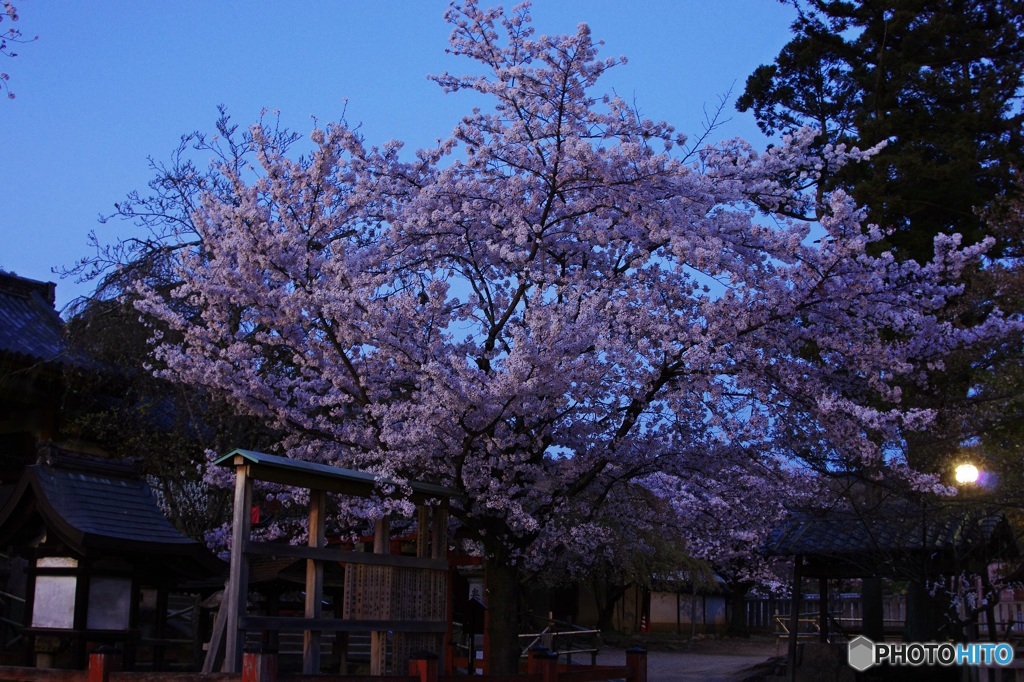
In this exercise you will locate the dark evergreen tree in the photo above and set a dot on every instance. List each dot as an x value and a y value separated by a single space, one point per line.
938 80
113 400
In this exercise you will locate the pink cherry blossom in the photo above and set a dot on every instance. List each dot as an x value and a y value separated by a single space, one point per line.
554 303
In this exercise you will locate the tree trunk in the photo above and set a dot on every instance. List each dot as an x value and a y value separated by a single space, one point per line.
873 609
738 617
924 613
503 602
607 597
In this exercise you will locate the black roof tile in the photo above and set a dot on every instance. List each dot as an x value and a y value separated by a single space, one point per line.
29 324
899 527
105 510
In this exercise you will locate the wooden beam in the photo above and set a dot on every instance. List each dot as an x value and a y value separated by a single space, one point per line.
295 624
343 556
238 581
217 633
379 637
314 582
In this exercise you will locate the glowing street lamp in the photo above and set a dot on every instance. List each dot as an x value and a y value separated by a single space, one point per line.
967 473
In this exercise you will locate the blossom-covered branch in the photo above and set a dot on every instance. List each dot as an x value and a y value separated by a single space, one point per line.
551 305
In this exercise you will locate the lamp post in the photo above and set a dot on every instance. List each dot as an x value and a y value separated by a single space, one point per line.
921 623
968 475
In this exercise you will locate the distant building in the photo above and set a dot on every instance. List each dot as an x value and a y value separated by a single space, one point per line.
87 556
32 354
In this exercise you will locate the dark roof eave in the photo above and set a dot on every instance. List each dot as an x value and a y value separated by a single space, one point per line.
182 554
839 534
316 476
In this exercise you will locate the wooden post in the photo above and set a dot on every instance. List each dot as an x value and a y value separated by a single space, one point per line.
422 531
314 581
160 628
449 651
693 612
533 658
235 597
823 610
83 576
991 631
259 667
379 640
382 535
636 661
424 666
439 532
101 664
439 550
872 609
794 618
542 662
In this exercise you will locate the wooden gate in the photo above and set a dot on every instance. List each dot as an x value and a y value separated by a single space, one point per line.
406 595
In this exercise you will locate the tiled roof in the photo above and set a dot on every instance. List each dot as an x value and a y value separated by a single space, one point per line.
29 325
891 528
99 509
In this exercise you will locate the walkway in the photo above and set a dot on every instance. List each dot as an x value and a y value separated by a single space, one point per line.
665 666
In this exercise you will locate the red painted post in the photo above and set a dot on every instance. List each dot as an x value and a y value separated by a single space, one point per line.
544 663
449 651
259 667
533 664
636 661
101 663
424 666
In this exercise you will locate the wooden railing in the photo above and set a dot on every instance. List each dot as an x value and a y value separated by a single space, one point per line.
565 639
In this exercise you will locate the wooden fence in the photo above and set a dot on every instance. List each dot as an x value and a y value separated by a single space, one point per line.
847 612
542 666
845 609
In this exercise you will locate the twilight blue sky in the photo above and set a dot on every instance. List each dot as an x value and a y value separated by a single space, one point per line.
112 82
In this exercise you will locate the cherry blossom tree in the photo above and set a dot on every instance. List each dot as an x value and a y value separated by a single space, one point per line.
729 514
637 539
554 302
8 37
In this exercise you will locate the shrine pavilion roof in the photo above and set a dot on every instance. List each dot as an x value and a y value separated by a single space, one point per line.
891 528
96 507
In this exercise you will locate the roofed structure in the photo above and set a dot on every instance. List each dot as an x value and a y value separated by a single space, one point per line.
302 474
400 600
857 542
31 349
34 357
99 560
92 507
30 327
915 541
